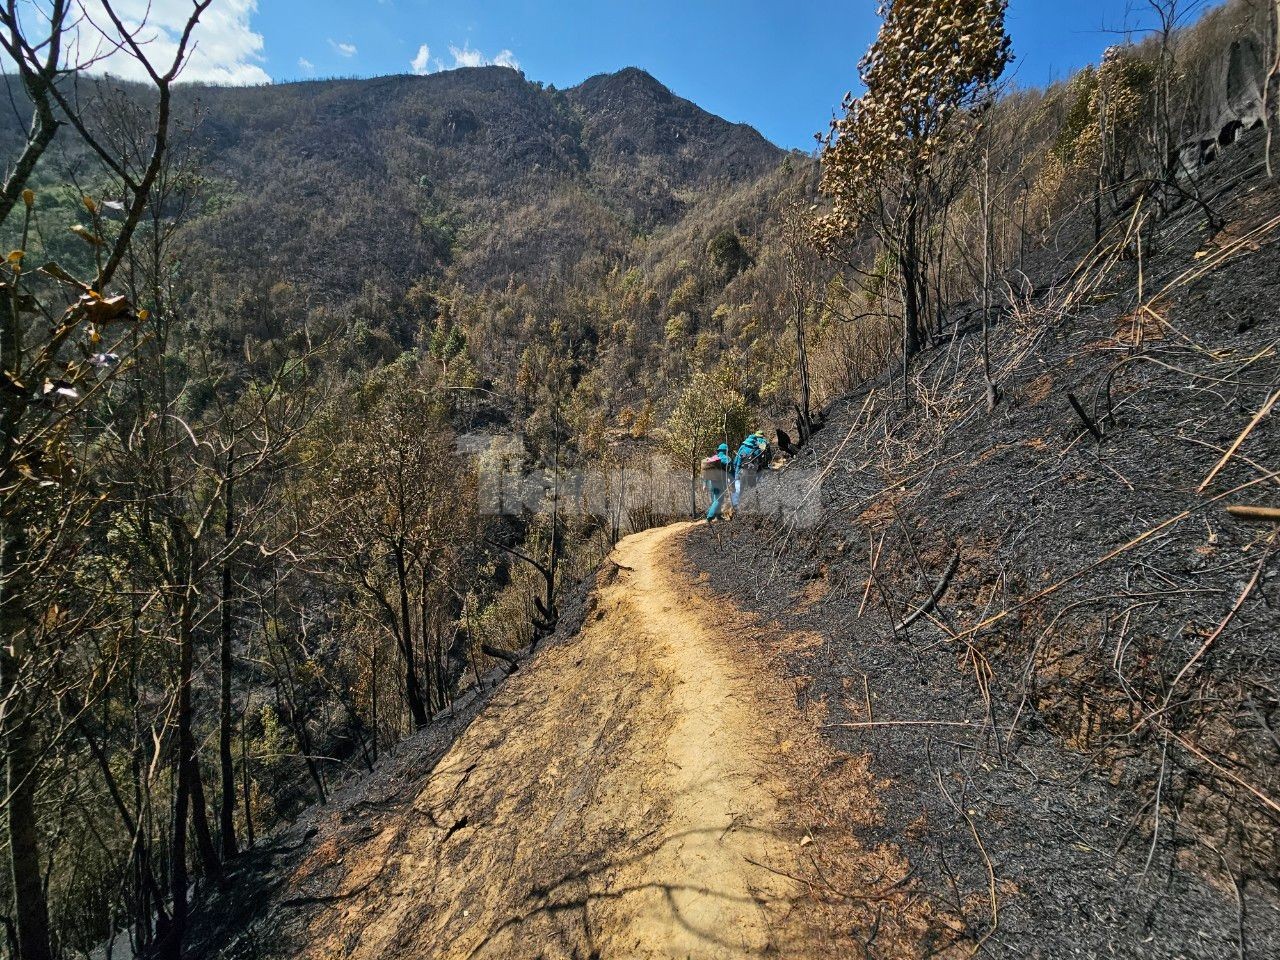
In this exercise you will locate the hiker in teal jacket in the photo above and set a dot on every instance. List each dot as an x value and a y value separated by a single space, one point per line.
717 472
752 457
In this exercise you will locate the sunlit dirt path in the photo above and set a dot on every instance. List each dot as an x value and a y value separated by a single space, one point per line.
619 797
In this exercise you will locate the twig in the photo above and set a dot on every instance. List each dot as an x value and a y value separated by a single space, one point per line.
1266 801
1244 595
1257 418
1089 424
938 592
991 870
1155 827
875 559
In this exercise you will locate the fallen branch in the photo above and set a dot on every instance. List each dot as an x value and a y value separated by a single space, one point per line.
499 654
938 592
1089 424
1255 514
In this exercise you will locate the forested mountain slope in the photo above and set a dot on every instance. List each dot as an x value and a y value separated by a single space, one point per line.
478 169
557 231
548 230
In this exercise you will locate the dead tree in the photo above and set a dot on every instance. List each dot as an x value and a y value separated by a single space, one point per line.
37 372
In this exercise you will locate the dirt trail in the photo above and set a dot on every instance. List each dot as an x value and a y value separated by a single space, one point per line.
706 889
623 796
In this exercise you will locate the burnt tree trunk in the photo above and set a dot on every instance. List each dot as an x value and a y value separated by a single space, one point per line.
226 818
424 624
30 907
188 752
31 913
412 692
179 880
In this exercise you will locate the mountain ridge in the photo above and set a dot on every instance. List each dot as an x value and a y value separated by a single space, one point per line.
451 172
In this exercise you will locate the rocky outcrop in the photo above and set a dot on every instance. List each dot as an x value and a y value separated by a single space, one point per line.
1231 102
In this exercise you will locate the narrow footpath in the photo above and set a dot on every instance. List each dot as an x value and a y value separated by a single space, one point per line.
629 794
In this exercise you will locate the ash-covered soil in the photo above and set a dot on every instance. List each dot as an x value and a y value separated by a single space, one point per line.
1079 745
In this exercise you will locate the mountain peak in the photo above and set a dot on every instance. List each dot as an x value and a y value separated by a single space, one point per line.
631 113
636 76
629 81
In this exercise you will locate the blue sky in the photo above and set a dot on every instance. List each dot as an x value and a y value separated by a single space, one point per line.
780 65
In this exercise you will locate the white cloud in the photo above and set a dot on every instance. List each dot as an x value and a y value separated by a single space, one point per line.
422 62
343 49
224 47
464 56
306 66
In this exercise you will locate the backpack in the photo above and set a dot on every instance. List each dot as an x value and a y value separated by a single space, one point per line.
754 453
713 464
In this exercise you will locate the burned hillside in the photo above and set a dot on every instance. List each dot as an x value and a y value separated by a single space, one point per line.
1053 627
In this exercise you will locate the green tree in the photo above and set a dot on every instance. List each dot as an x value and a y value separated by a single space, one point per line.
728 256
711 410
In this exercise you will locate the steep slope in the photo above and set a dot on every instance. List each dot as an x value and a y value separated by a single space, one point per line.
1078 743
557 231
334 183
660 150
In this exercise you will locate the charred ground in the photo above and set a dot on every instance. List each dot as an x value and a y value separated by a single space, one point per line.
1079 743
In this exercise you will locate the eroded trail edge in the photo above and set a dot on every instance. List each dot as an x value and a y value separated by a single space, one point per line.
642 790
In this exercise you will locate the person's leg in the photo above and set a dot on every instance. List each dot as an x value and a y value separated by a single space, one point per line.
717 493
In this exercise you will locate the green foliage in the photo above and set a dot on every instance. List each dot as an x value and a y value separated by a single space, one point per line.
274 744
678 327
439 231
685 297
711 410
448 341
728 256
1106 107
218 195
1081 94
